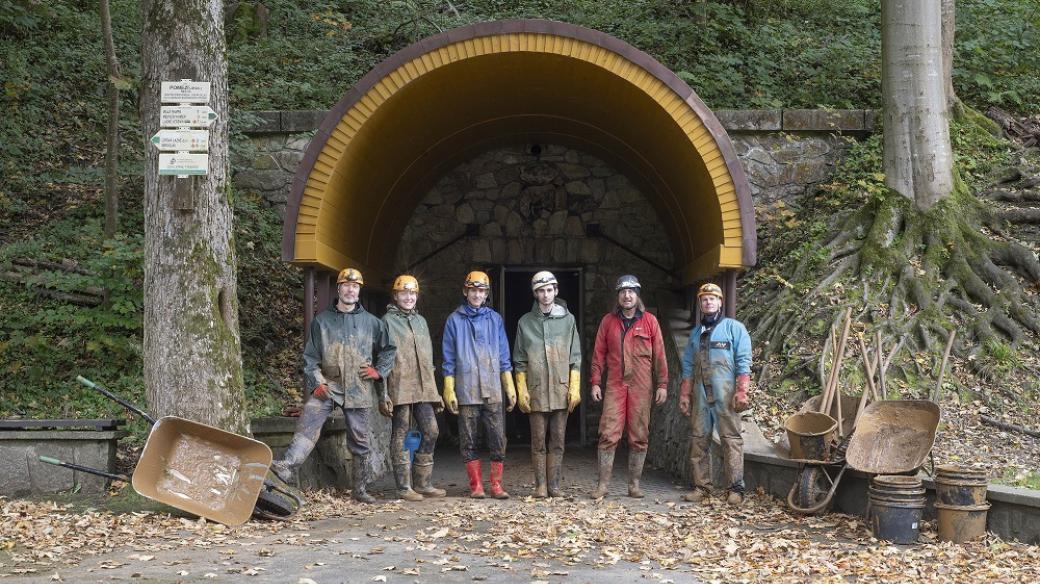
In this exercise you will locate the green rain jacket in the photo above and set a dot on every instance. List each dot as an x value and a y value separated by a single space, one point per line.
411 380
338 345
547 348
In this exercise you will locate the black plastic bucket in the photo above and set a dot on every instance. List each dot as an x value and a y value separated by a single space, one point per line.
960 486
896 506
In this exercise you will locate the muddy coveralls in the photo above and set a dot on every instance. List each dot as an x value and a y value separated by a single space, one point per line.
713 358
413 391
338 345
634 362
476 353
546 351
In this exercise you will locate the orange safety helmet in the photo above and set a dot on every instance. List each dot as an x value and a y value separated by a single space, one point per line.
710 289
350 275
477 279
405 282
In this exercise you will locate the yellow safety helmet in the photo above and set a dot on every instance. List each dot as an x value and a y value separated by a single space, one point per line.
476 279
543 279
710 289
350 275
405 282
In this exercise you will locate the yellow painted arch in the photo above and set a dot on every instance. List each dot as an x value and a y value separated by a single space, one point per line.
452 96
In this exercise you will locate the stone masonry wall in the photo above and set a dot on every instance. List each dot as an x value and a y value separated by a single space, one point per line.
783 152
532 210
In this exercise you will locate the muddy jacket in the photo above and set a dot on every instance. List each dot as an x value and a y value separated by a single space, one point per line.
338 345
411 380
547 349
727 356
635 359
476 352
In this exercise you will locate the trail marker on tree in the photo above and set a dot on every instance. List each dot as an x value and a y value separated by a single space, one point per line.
191 146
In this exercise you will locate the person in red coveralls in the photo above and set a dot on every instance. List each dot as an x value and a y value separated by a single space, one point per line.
630 352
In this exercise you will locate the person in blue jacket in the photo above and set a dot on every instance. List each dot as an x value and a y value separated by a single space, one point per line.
716 369
476 371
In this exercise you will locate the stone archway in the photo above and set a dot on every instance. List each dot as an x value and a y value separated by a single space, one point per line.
446 98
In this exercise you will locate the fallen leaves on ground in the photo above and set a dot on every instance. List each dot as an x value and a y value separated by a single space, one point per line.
760 542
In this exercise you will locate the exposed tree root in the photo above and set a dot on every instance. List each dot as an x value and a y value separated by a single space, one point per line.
913 276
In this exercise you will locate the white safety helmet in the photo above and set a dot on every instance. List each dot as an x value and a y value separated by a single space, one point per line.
543 279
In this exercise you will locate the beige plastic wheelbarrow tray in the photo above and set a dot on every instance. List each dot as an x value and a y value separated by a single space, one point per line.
200 469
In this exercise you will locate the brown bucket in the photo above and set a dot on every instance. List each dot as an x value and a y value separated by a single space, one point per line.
957 485
811 435
961 523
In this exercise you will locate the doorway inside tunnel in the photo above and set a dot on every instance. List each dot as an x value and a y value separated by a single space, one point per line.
516 299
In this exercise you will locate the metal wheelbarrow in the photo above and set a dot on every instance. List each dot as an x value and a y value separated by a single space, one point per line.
203 470
892 437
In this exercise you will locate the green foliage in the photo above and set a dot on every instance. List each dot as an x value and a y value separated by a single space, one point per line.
997 57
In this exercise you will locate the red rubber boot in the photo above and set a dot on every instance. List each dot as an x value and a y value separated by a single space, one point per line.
496 481
476 482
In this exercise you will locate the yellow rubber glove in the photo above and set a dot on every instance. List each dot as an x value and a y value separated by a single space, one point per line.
450 401
523 398
507 384
574 391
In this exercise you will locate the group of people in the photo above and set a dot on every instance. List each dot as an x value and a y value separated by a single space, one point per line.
352 359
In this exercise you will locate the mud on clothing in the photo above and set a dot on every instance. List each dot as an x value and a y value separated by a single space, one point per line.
713 359
634 364
425 420
412 378
547 348
476 352
490 417
339 344
312 418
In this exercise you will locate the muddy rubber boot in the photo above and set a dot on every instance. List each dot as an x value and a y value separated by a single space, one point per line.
635 472
403 476
423 469
538 461
476 482
496 481
553 467
362 476
284 471
735 498
606 464
697 495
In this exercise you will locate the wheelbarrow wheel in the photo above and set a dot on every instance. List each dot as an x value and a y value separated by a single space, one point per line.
813 490
813 486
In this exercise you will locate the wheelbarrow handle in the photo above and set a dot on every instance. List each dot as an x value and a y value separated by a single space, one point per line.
86 469
115 398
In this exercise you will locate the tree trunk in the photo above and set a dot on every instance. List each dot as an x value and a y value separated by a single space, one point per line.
112 134
949 28
192 356
918 156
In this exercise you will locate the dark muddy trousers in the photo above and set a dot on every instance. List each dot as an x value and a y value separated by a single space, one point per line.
425 419
308 429
490 416
556 423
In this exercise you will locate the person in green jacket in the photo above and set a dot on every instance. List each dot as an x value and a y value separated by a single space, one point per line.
413 391
547 362
348 352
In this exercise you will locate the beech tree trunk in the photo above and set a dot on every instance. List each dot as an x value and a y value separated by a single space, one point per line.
949 29
112 134
192 355
918 156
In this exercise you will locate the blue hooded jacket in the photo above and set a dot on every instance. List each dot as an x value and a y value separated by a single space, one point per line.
476 352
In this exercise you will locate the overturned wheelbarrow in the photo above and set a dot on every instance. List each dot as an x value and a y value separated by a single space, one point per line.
202 470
